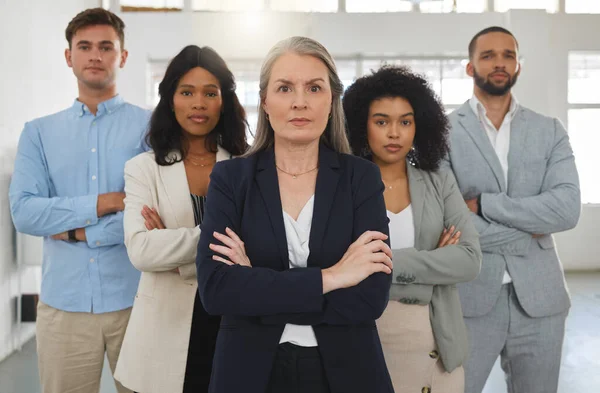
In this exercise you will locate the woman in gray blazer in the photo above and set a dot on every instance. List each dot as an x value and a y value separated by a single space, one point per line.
395 120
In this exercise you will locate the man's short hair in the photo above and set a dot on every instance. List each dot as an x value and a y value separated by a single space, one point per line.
492 29
94 17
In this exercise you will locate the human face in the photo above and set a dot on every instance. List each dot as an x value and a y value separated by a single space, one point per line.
298 99
197 102
390 129
96 56
495 66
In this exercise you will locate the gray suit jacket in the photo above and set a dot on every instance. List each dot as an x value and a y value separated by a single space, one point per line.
426 274
542 197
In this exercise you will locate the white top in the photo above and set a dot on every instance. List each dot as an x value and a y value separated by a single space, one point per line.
402 228
297 233
499 138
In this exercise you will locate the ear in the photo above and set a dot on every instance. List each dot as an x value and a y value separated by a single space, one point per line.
264 106
518 69
470 69
68 57
124 55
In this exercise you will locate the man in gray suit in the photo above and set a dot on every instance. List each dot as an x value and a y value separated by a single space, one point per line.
516 171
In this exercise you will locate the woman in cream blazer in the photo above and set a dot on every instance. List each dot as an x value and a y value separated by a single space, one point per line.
396 121
170 339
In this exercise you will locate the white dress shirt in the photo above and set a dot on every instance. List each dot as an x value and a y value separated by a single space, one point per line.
297 233
499 138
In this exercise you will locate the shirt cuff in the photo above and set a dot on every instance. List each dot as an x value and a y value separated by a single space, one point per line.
87 210
95 236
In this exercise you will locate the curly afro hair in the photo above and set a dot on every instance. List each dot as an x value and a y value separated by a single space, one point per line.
431 134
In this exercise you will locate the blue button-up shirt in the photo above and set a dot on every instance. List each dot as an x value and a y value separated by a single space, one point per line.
64 161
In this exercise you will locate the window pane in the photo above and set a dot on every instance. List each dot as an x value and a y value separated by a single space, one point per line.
252 121
505 5
346 71
582 7
584 73
247 75
174 4
585 139
457 86
378 6
304 5
448 6
227 5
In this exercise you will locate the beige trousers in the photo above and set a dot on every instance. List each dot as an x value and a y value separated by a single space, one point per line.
71 347
411 354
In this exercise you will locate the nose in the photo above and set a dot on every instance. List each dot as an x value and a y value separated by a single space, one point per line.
199 103
300 101
95 54
393 131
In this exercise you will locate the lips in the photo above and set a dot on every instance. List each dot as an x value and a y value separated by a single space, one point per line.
393 148
299 121
200 119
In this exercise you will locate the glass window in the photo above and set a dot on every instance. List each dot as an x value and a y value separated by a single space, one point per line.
141 5
584 72
548 5
227 5
449 6
304 5
378 6
457 86
346 71
582 6
585 139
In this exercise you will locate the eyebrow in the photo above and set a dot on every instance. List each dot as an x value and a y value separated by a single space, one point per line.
188 86
105 42
308 83
386 115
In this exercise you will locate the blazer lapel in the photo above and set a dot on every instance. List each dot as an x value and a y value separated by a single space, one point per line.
268 185
469 121
176 187
417 189
325 191
518 142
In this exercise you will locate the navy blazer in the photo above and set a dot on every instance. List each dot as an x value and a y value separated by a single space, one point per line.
257 302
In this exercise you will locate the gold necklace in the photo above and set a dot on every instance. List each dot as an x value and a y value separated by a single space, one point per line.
199 163
295 175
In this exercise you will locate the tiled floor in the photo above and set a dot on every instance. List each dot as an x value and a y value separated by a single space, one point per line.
580 370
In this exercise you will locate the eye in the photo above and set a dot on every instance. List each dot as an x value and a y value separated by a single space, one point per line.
380 122
284 89
315 89
186 93
84 47
211 94
406 122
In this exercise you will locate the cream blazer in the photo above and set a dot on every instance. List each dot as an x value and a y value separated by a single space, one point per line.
154 351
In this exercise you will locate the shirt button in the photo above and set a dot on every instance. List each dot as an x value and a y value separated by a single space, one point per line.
93 149
94 177
94 123
88 222
97 243
92 260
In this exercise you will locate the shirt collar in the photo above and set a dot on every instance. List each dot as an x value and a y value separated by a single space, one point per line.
104 107
479 109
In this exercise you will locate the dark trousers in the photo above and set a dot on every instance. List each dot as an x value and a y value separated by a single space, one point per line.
298 370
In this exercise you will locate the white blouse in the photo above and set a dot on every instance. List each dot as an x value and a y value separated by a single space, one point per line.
402 229
297 233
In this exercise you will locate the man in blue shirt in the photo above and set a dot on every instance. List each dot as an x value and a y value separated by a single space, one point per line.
68 187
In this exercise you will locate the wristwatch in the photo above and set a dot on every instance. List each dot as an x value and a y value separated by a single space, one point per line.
72 237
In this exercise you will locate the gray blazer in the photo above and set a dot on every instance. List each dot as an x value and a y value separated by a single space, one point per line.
542 197
426 274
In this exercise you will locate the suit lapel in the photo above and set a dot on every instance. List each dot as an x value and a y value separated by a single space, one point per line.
268 185
469 121
176 188
518 143
417 189
325 192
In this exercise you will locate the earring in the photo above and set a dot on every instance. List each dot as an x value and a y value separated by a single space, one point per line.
267 115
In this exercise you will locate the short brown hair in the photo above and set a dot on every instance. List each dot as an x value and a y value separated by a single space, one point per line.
94 17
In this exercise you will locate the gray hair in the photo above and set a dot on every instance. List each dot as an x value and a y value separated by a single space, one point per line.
335 135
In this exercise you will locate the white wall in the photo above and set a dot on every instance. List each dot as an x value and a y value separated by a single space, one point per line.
35 82
545 40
